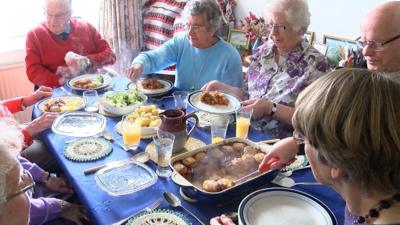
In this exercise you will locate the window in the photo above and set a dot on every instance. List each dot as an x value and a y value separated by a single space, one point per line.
17 17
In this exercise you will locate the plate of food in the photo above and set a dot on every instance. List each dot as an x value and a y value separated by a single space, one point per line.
90 82
152 87
148 118
278 206
61 104
214 102
122 102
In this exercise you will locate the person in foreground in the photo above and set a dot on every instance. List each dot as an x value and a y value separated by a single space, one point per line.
200 55
348 121
33 149
380 40
24 187
280 69
62 47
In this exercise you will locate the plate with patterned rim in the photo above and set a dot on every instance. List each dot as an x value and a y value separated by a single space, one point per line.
61 104
87 149
98 81
232 107
159 217
152 92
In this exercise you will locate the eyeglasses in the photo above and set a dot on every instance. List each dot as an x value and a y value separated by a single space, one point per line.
276 26
194 28
374 45
57 16
298 137
26 184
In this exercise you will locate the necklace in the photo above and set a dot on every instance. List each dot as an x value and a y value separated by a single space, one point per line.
374 212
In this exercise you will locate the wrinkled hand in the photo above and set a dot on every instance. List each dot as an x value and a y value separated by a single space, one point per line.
221 220
285 149
214 85
73 212
134 71
40 124
41 93
76 63
58 184
260 107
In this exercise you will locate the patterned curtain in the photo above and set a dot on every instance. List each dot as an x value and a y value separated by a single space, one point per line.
121 25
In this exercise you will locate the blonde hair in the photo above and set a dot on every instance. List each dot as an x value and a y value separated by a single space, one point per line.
352 118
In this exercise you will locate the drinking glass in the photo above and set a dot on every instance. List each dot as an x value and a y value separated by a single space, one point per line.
164 141
180 98
243 117
131 133
91 99
219 125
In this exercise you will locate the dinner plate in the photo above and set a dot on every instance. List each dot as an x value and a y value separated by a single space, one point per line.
72 103
125 178
152 92
146 132
282 206
205 119
106 81
233 106
79 124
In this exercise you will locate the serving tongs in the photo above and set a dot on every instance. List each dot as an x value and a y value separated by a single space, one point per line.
262 169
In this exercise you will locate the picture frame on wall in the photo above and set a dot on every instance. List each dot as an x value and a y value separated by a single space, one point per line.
336 47
238 39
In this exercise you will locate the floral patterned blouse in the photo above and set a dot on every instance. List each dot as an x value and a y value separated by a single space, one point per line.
282 82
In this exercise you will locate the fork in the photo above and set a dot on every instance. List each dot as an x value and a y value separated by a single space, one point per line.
149 208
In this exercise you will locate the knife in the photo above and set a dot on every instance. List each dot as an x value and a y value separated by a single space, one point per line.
265 167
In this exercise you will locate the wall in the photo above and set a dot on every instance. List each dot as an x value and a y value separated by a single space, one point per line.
340 17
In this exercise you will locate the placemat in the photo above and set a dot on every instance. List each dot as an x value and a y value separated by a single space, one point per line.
190 145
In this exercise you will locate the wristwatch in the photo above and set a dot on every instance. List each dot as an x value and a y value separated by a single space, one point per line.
273 109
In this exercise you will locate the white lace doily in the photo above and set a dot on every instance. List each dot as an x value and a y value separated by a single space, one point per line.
87 149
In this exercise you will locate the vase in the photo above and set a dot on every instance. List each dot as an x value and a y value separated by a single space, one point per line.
257 43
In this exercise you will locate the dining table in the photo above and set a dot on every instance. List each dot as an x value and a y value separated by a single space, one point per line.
105 209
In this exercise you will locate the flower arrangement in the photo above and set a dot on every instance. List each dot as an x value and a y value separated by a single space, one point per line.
255 27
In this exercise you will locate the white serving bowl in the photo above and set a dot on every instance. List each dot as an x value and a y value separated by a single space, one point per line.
120 110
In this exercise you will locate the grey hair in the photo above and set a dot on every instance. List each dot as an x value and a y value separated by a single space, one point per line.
11 136
7 162
66 3
208 8
296 12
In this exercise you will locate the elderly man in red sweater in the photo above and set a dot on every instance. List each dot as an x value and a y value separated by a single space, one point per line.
62 47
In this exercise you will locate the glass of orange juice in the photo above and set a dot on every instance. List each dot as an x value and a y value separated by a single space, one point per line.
219 125
243 117
131 133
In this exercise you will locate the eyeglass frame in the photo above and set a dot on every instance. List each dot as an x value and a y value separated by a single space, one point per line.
298 137
28 187
195 28
378 45
271 26
57 16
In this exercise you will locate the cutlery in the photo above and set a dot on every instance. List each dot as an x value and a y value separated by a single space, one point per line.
149 208
265 167
270 142
108 136
174 201
289 182
140 157
65 91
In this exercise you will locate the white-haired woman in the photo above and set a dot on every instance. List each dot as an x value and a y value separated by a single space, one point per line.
18 176
279 69
200 55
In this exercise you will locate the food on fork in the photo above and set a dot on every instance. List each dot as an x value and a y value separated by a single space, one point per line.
152 84
213 98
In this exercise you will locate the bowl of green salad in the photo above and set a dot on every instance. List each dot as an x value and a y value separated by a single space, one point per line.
122 102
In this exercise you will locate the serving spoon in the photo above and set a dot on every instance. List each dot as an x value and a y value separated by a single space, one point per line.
174 201
108 136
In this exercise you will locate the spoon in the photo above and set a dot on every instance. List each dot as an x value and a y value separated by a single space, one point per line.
142 157
174 201
108 136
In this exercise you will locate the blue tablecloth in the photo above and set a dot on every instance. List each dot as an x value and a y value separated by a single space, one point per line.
104 208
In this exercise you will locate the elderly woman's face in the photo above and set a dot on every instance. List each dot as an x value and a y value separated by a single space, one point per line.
198 33
16 210
285 36
57 16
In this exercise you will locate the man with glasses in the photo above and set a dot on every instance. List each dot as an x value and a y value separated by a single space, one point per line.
199 54
62 47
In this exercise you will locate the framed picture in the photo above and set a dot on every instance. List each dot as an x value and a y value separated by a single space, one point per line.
310 36
336 48
237 38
